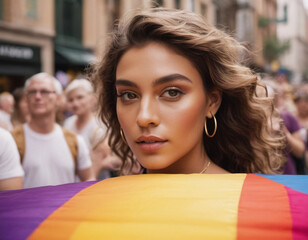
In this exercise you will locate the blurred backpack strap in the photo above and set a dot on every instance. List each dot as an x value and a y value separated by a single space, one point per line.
19 137
71 139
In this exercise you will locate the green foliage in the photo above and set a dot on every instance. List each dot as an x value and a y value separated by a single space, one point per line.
273 48
263 22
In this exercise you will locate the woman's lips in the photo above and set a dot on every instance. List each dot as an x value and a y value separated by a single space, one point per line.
150 143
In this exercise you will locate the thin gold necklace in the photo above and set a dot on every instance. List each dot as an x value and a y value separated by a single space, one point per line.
206 167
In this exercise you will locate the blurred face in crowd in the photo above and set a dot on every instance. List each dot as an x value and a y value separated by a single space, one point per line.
23 107
41 97
79 101
302 106
161 107
7 103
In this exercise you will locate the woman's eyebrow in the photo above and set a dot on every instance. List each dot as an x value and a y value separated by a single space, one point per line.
159 81
124 82
170 78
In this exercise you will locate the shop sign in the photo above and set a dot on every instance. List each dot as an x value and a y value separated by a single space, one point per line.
18 52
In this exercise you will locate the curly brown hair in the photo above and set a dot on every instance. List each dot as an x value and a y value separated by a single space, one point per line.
243 142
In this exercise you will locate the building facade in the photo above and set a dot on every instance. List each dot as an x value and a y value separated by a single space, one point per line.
295 31
43 35
265 25
100 16
63 37
243 19
26 40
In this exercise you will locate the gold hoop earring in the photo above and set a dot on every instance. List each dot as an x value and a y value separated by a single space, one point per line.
123 136
215 128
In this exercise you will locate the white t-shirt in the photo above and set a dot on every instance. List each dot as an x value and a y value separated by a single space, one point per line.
48 159
9 157
303 133
6 119
92 132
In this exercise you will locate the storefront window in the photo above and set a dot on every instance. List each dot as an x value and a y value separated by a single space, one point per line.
158 3
31 8
203 9
190 5
69 21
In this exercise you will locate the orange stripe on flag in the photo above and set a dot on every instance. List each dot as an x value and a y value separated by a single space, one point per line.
62 223
264 210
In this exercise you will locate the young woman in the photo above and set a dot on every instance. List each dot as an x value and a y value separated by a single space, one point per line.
177 99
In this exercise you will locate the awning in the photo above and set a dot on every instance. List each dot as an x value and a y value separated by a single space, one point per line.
73 56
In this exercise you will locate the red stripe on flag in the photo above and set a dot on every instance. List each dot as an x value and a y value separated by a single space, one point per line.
264 211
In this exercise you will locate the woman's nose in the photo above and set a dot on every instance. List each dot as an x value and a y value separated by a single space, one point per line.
148 114
74 103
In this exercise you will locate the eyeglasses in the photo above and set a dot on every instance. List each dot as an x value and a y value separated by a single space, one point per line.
43 93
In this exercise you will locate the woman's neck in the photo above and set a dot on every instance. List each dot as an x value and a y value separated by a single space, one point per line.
199 163
303 120
82 120
194 162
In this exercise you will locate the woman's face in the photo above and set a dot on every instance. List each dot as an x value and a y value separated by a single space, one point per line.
79 101
161 107
302 107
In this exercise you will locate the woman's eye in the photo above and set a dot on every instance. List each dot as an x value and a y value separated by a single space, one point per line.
80 97
172 93
127 96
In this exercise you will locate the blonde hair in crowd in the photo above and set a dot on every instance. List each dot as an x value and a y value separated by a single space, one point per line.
79 83
243 142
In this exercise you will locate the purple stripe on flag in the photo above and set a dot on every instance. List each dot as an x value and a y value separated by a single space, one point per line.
299 211
24 210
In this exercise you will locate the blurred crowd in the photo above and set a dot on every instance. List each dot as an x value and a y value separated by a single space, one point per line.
290 116
53 135
35 152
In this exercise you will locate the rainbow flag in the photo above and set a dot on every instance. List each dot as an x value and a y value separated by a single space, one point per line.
161 206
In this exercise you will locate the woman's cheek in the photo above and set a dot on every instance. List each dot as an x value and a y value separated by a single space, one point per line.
186 113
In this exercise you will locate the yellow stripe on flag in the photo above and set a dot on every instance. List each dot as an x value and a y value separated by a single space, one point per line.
160 206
